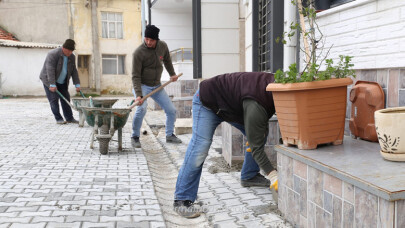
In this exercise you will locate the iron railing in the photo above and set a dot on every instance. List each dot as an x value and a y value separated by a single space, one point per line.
182 55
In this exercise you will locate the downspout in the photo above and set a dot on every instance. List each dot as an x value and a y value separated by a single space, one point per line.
71 29
289 49
96 46
149 12
197 62
255 36
143 18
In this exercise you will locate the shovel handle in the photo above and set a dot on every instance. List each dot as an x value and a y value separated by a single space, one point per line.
65 100
81 93
153 92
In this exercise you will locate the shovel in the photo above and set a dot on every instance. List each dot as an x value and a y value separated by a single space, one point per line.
151 93
65 100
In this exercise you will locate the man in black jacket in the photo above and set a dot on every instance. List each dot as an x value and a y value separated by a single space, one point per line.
240 99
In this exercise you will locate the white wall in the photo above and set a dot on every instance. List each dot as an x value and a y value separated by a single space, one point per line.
373 31
20 68
175 28
219 37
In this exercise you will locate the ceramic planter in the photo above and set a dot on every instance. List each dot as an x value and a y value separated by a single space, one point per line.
311 113
390 125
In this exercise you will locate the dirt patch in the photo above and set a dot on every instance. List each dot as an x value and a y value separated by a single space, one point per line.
219 165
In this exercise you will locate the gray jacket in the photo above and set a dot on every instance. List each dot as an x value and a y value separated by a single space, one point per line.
53 66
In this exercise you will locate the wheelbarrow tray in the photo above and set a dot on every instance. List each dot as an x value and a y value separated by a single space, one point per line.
120 116
97 102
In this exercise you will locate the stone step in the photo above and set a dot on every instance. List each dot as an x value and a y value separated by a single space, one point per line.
183 126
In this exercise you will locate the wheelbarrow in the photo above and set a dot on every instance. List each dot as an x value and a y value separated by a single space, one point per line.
105 121
79 103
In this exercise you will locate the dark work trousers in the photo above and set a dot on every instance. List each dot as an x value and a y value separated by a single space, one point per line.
54 98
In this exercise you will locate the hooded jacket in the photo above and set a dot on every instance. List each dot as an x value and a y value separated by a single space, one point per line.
147 65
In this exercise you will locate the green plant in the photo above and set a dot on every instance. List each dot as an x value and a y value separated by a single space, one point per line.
313 52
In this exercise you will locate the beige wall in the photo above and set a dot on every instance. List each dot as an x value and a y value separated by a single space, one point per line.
130 10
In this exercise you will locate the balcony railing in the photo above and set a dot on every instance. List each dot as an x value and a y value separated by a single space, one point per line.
182 55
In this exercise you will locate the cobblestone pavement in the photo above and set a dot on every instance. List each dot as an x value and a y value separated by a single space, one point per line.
225 201
49 177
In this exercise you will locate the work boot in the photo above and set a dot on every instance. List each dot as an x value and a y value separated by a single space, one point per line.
186 208
135 142
256 181
60 122
72 121
173 139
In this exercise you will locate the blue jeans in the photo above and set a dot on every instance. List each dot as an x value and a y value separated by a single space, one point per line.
163 101
54 98
204 124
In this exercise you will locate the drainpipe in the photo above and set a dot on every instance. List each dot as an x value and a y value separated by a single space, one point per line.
143 18
96 46
289 49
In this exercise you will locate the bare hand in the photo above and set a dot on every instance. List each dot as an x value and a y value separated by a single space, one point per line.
77 89
139 99
174 78
52 89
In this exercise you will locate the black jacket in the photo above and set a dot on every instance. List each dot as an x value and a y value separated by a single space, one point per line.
224 94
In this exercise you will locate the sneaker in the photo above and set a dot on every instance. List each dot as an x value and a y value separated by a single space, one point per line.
73 121
185 208
256 181
135 142
173 139
60 122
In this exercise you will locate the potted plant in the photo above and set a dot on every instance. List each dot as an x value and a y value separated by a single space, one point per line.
311 105
390 124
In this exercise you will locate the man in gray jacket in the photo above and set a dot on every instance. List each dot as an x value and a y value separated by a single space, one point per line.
59 66
147 68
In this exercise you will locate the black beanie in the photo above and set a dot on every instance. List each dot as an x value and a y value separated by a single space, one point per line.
152 32
69 44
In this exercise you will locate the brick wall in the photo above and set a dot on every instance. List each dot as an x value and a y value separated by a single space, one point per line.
372 31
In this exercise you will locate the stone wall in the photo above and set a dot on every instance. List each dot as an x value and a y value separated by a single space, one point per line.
182 93
308 197
233 142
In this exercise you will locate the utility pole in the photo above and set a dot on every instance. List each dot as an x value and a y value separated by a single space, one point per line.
96 73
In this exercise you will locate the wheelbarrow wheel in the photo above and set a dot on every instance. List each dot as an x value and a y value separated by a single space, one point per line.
104 142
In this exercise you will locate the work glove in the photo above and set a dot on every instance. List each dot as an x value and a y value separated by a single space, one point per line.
273 177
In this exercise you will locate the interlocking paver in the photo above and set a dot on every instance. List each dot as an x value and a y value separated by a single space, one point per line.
49 177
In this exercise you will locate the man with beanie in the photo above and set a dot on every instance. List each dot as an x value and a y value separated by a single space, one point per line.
240 99
147 68
59 67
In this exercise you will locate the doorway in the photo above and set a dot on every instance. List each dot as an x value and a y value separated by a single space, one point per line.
83 69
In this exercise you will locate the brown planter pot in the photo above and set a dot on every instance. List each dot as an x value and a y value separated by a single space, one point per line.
311 113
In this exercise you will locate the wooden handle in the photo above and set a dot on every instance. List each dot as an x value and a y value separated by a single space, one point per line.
153 92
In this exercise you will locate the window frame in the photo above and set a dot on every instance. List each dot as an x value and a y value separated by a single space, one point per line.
108 22
118 62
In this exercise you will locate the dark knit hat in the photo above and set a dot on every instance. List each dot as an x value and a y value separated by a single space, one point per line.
152 32
69 44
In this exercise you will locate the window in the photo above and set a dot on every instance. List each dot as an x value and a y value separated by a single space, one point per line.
112 25
327 4
270 26
113 64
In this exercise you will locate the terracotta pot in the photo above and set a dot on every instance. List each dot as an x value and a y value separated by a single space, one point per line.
390 125
311 113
